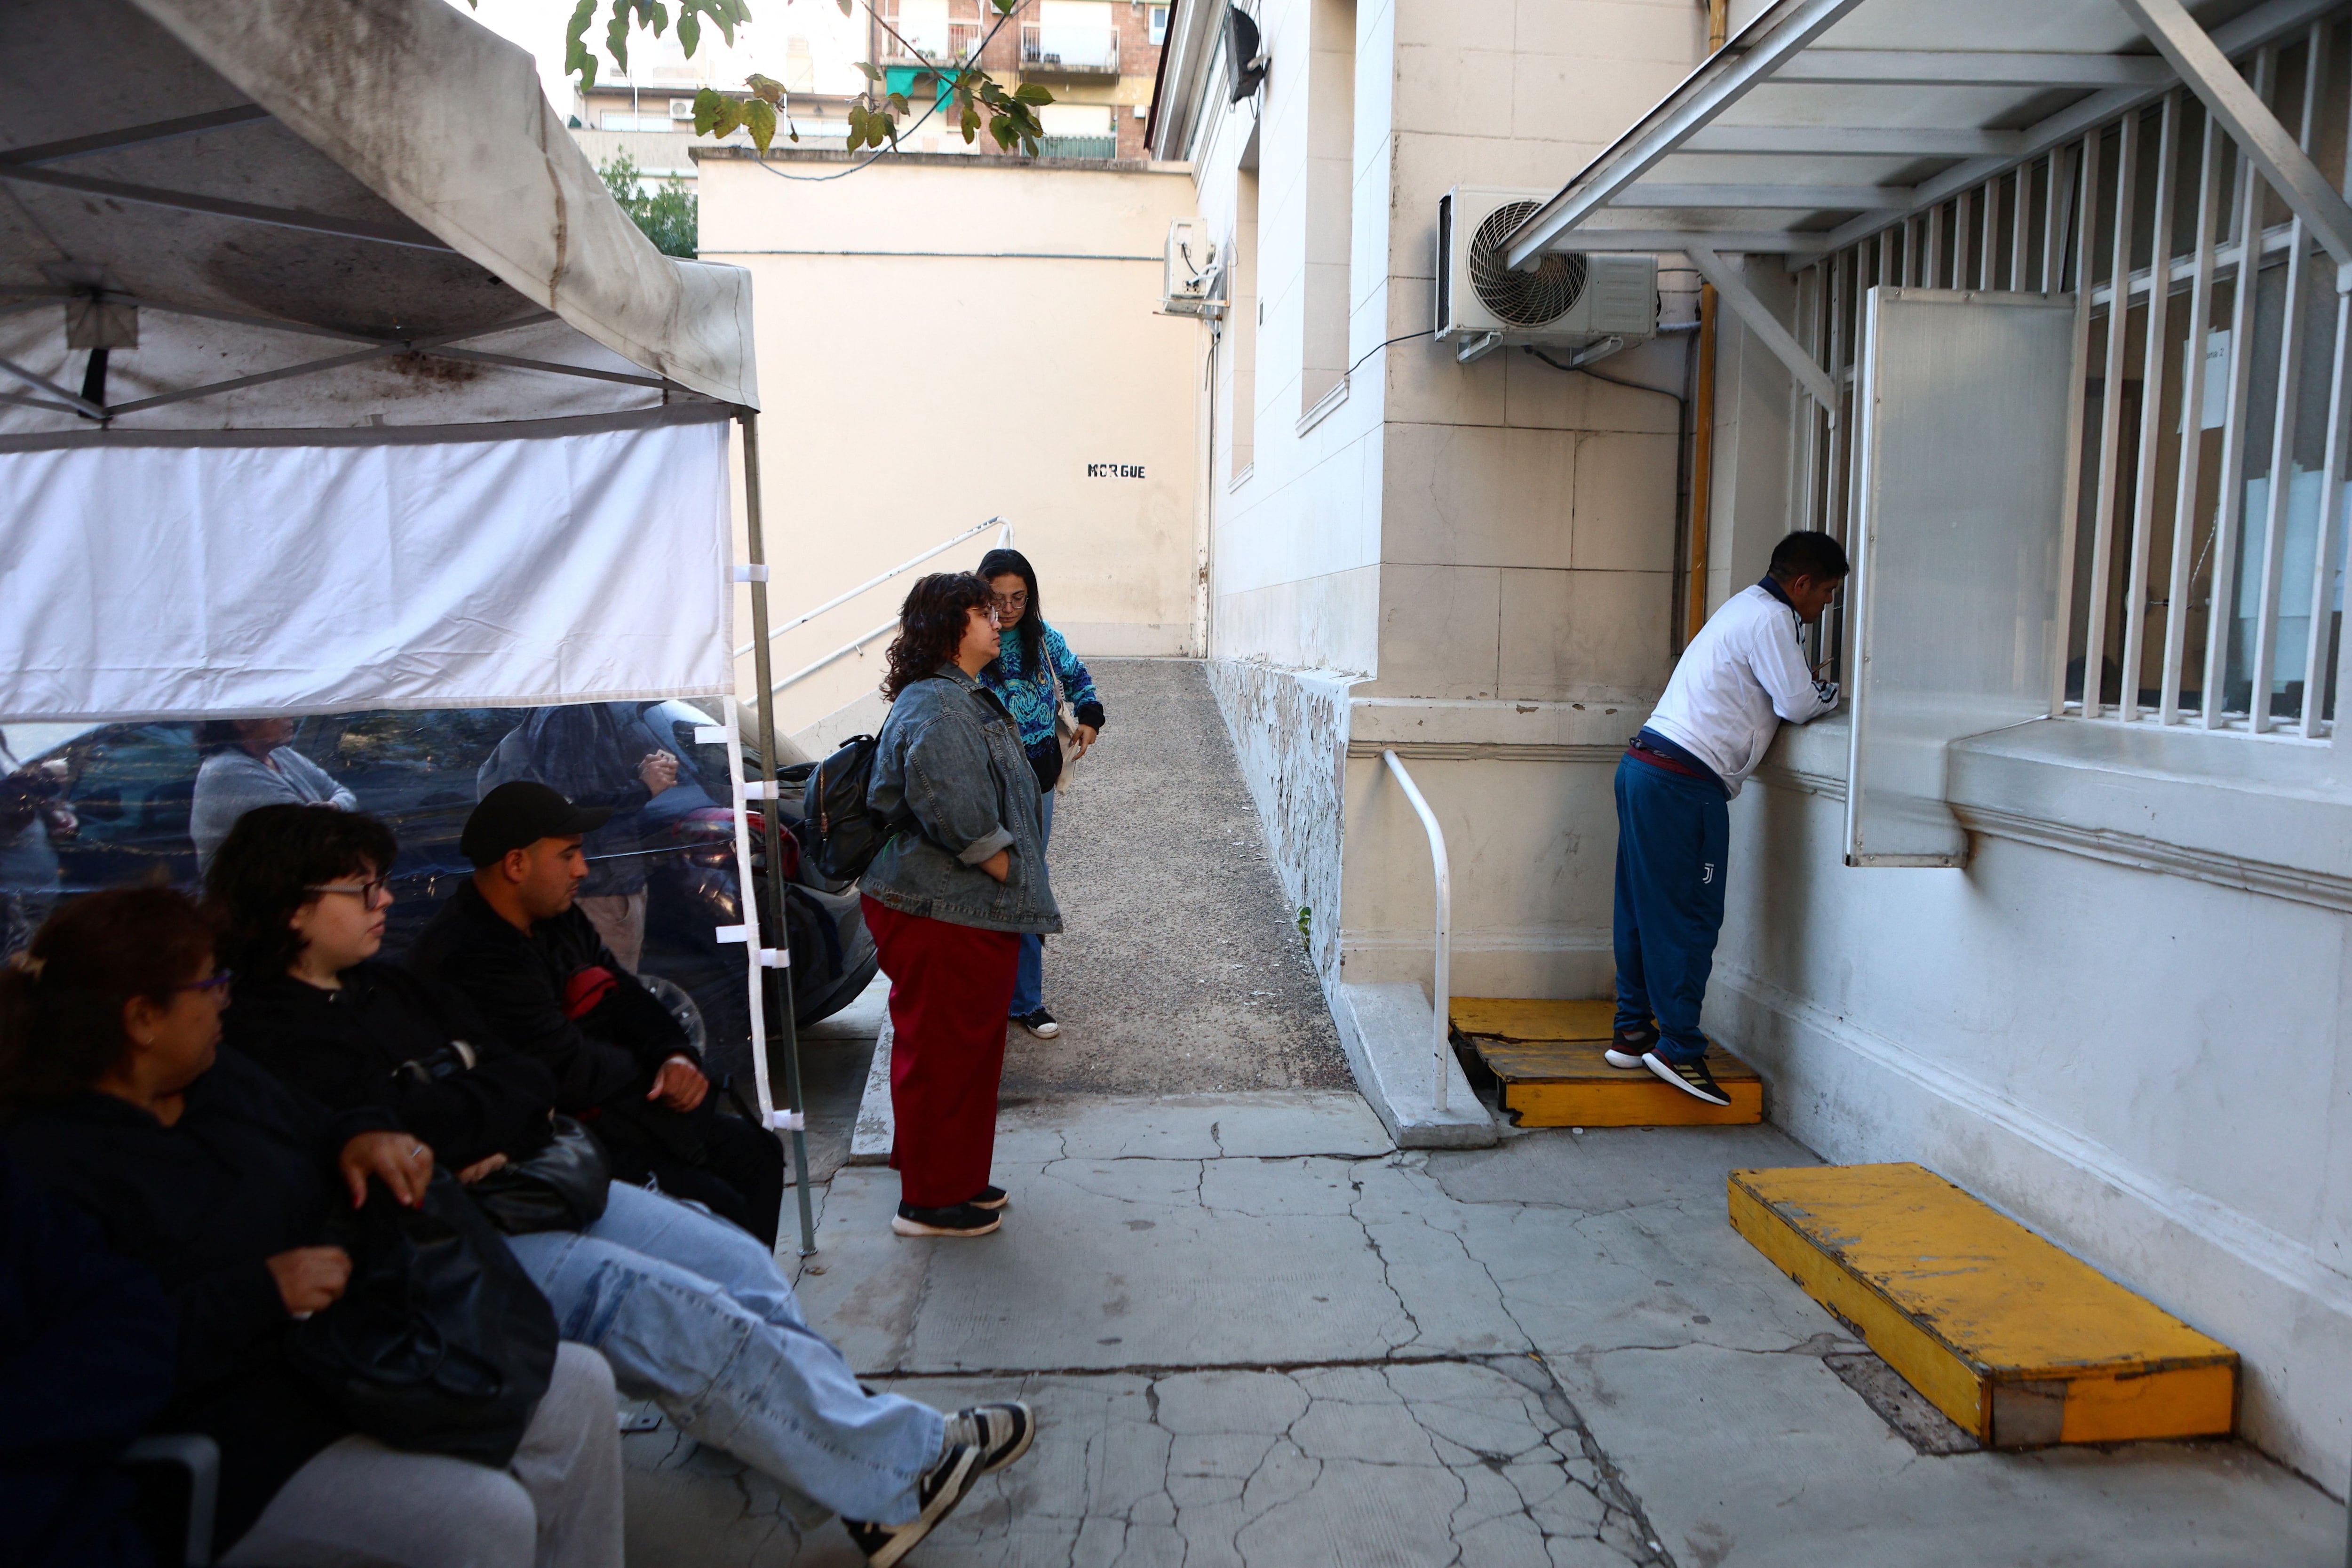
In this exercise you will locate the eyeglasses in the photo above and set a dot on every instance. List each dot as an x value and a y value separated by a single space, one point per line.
369 893
1011 603
217 981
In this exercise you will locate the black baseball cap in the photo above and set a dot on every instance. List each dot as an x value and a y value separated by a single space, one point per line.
517 814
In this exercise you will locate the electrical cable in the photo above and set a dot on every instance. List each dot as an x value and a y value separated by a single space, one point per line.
1002 17
1425 332
1587 370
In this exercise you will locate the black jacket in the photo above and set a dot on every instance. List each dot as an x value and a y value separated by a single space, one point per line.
351 1047
85 1362
519 985
248 1171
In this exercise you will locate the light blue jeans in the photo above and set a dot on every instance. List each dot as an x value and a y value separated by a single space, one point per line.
693 1314
1029 973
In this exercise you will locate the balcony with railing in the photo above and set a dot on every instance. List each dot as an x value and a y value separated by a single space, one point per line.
1069 50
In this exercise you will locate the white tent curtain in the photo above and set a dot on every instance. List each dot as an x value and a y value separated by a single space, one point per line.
451 568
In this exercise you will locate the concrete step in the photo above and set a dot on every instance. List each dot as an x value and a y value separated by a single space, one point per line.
1546 1055
2019 1342
1385 1030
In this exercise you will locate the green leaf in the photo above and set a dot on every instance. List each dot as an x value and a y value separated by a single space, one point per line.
1030 92
872 74
659 18
706 111
730 117
689 32
856 128
616 35
845 7
766 86
1000 129
578 58
898 103
760 117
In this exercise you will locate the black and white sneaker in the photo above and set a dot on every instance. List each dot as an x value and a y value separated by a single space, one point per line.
962 1219
1002 1433
944 1485
1691 1078
1627 1049
991 1199
1039 1023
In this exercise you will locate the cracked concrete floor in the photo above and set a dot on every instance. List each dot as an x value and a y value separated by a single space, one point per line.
1256 1335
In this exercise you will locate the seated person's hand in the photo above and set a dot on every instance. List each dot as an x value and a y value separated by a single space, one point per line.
482 1167
658 769
679 1085
310 1278
999 865
396 1159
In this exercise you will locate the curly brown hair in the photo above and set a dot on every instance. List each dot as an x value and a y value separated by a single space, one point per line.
931 627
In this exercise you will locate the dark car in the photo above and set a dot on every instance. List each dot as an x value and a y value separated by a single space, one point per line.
130 788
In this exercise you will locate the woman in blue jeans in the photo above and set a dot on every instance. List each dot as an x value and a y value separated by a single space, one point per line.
1031 659
689 1310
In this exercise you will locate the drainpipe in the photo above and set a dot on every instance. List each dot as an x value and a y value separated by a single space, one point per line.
1702 469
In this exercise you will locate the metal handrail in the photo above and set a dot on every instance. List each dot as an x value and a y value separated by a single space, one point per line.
1442 1021
840 599
843 651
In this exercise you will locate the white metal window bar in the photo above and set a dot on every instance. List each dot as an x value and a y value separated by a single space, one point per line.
2199 592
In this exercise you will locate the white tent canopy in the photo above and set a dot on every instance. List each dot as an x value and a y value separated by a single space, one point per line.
340 184
335 378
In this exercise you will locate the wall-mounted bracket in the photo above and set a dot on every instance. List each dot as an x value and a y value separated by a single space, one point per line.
1758 317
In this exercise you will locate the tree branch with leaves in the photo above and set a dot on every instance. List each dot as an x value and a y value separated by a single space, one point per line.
979 102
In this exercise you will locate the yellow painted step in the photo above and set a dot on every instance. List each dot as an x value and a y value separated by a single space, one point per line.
1565 1083
1532 1018
1546 1052
2018 1341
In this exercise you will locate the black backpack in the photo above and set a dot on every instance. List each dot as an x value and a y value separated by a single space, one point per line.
838 831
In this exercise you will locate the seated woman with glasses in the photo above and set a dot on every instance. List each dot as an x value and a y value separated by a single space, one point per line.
691 1311
211 1174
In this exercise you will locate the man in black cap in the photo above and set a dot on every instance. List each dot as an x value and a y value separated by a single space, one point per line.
514 942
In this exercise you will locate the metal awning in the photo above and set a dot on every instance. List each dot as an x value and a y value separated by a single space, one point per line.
1825 121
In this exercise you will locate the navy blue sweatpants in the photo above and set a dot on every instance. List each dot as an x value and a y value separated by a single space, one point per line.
1672 834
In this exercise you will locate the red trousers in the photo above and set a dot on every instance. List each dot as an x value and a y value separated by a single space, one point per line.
949 985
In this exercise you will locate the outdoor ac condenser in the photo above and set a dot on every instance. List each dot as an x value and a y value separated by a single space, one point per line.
1570 301
1192 279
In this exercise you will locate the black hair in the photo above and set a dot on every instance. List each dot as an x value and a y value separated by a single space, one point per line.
1032 626
265 869
61 999
931 627
1808 553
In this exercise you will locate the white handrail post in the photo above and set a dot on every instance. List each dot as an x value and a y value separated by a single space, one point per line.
1441 1024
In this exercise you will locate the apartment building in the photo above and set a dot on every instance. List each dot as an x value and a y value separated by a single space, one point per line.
2039 307
1098 57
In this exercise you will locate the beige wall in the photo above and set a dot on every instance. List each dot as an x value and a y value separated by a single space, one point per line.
942 340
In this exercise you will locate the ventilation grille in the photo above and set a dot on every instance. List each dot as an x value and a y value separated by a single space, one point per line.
1522 298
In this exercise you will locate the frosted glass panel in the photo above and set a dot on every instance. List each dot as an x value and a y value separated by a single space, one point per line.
1965 415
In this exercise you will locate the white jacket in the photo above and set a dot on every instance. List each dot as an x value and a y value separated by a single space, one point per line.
1741 676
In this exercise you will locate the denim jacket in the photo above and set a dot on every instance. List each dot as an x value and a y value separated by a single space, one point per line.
950 752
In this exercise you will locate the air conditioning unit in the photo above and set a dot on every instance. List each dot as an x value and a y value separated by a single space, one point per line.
1192 277
682 109
1570 301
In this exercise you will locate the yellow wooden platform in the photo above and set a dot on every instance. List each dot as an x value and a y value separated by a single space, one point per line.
1548 1055
2019 1342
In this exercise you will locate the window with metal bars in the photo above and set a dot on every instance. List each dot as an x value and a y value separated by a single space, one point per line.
2200 593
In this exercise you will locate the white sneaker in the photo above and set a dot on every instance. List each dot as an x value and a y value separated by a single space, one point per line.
1039 1023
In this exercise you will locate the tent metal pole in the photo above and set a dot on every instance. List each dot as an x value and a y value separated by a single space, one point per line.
781 940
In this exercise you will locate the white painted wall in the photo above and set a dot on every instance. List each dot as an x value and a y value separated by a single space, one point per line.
942 340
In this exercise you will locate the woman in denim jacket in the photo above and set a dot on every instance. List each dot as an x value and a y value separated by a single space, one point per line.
1031 656
948 898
